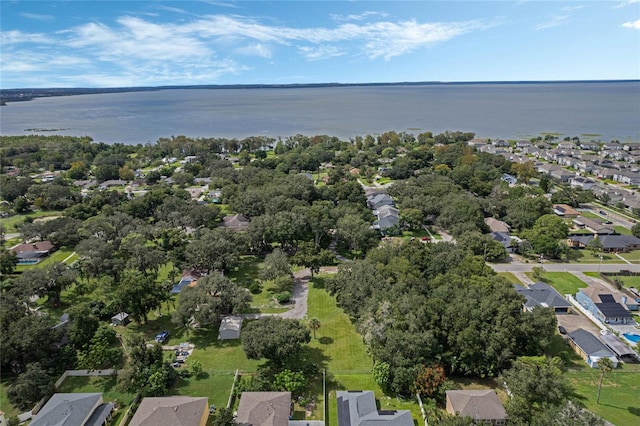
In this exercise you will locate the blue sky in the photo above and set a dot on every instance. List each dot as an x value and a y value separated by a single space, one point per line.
151 43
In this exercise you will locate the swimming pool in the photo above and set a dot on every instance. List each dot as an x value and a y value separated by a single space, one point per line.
635 338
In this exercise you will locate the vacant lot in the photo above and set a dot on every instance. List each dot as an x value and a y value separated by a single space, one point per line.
563 282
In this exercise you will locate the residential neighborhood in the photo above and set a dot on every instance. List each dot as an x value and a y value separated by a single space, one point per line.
435 284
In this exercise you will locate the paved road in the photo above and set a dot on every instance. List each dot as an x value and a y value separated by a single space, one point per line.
564 267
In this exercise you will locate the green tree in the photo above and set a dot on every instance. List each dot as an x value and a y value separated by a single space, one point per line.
8 261
356 232
275 339
101 351
382 374
605 366
291 381
594 245
312 257
224 417
275 264
31 386
635 230
196 368
314 325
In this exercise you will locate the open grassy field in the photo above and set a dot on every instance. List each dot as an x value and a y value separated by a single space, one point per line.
620 396
10 223
586 256
563 282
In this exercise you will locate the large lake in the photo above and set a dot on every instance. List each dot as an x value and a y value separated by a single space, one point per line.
600 110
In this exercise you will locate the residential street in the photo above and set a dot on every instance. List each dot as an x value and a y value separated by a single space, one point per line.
565 267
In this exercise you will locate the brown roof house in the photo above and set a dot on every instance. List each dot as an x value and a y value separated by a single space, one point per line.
483 406
32 253
237 222
264 409
171 411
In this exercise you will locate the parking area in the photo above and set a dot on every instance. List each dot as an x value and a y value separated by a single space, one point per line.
575 320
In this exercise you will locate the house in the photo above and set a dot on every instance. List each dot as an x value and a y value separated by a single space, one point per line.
597 227
543 295
375 201
171 411
500 143
580 182
230 327
111 183
562 174
506 240
511 180
565 210
264 409
610 243
483 406
496 225
358 408
590 348
189 278
74 409
237 222
604 304
120 319
32 253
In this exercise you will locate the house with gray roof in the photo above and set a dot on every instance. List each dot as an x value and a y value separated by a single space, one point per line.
230 327
74 409
610 243
358 408
237 222
483 406
543 295
590 348
264 409
604 305
171 411
375 201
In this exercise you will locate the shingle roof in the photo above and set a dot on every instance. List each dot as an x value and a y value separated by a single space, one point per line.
264 408
542 294
609 242
590 343
477 404
67 409
170 411
358 408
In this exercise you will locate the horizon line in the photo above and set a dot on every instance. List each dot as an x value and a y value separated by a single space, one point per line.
325 84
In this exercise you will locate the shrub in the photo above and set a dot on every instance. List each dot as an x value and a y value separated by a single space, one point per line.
283 297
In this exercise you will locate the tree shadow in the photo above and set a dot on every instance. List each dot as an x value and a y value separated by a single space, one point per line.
325 340
318 282
634 410
203 375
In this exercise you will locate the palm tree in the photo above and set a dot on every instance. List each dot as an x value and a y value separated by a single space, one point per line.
314 324
605 365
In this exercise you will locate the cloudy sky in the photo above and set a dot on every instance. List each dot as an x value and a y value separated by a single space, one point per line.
151 43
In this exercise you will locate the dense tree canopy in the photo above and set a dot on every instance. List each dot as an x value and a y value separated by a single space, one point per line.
274 338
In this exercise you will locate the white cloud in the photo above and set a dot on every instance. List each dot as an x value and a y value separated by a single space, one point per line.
38 17
359 17
313 53
555 21
624 4
572 8
256 49
633 25
139 50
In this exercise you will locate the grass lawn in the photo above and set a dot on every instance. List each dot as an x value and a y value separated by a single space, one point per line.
384 180
416 233
339 349
586 256
10 223
509 277
633 281
9 409
620 396
593 274
632 256
622 230
563 282
216 387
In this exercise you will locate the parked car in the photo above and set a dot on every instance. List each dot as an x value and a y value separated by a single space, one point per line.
162 336
602 212
562 330
176 365
212 409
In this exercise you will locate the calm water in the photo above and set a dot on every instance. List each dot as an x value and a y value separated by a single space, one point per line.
609 110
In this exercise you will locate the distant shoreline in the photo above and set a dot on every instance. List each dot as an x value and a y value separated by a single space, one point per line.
27 94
